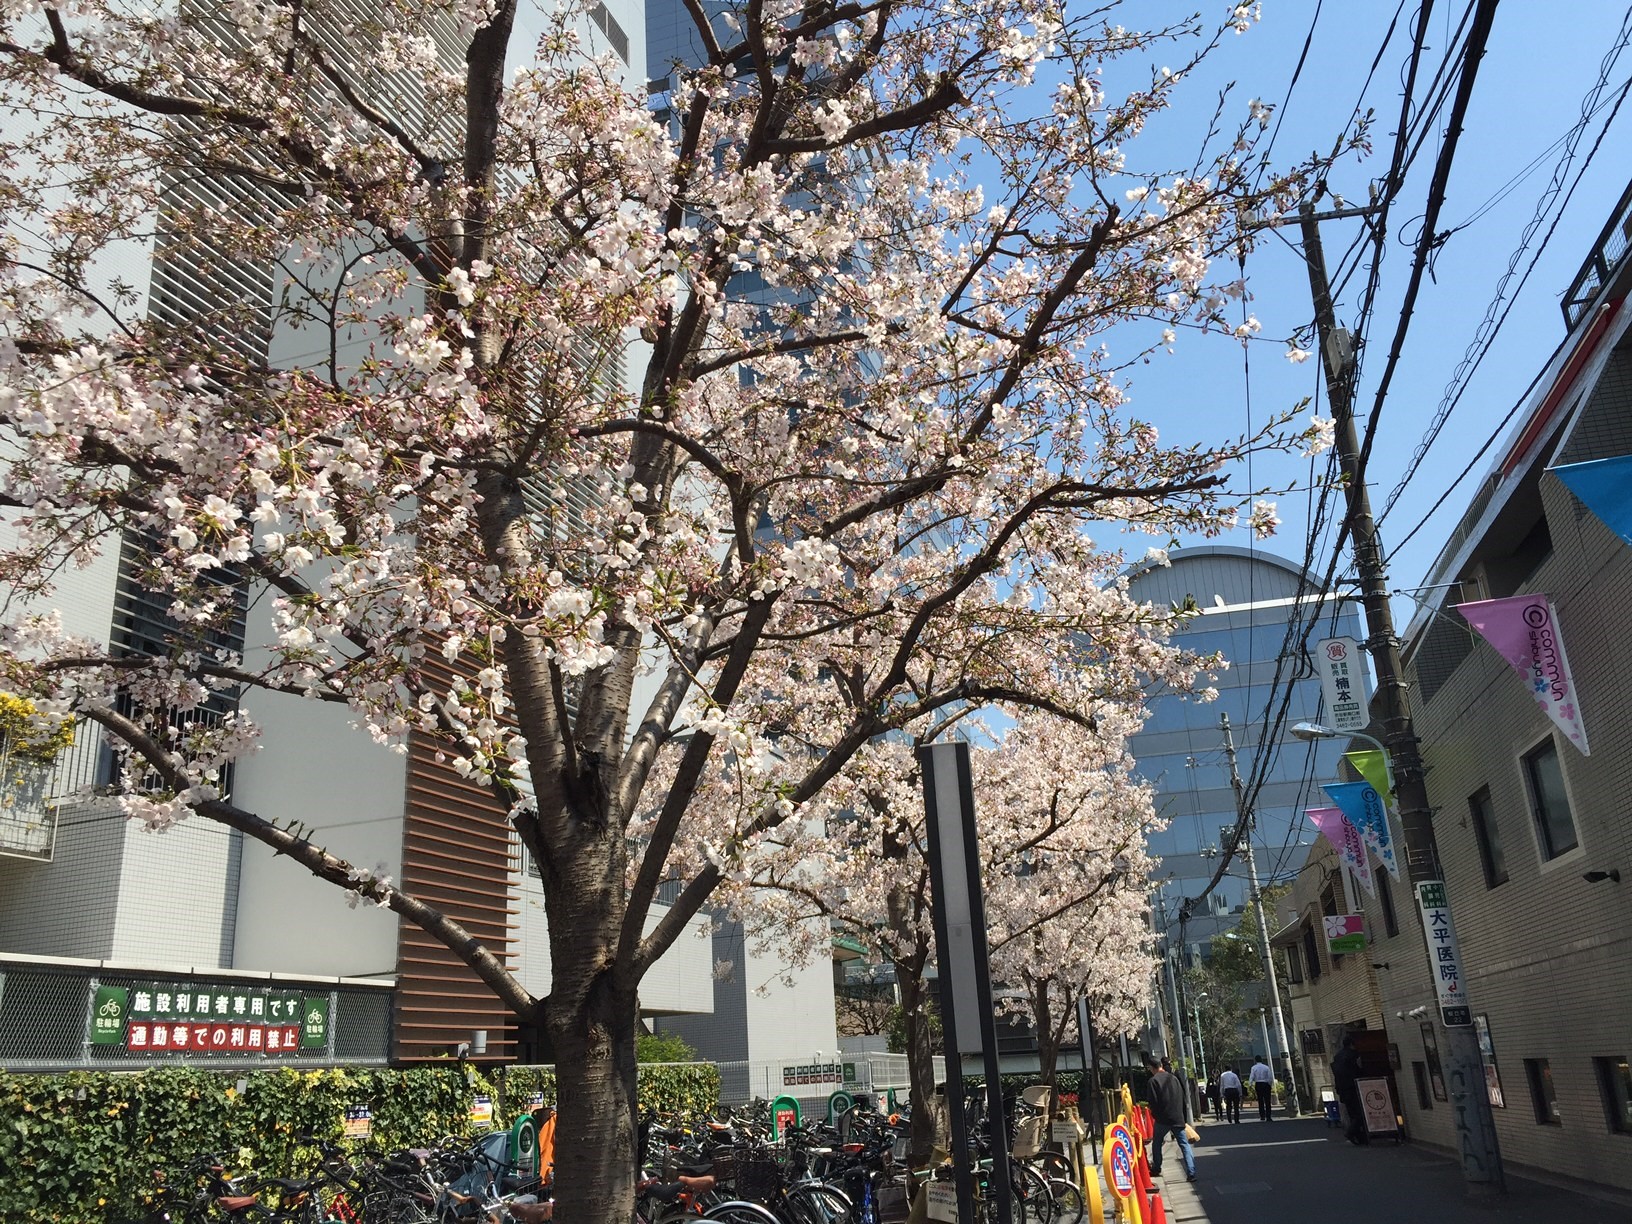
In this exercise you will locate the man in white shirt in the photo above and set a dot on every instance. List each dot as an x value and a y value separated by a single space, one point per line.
1262 1077
1230 1084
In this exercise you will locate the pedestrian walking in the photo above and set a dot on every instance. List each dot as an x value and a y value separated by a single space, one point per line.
1166 1097
1347 1068
1262 1078
1216 1094
1230 1082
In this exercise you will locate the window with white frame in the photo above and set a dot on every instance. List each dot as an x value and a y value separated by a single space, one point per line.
1549 801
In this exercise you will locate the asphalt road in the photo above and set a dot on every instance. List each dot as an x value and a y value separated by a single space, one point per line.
1302 1172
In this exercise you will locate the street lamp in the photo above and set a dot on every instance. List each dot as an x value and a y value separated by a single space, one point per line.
1201 1046
1314 731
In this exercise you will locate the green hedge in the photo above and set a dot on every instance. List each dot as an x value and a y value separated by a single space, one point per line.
90 1141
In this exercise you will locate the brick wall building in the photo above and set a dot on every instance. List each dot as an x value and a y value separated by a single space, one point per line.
1529 826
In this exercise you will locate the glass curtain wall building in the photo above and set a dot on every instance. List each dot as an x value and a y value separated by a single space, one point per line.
1246 599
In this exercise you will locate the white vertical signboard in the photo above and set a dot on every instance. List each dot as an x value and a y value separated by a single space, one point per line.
1342 671
1444 959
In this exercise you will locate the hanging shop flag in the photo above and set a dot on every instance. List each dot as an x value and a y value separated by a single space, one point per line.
1604 487
1346 840
1364 807
1372 765
1524 630
1345 933
1339 663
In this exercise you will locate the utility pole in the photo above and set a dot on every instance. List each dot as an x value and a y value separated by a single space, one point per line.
1249 823
1475 1127
1177 1006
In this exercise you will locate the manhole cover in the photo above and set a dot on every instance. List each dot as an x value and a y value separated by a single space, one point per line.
1241 1187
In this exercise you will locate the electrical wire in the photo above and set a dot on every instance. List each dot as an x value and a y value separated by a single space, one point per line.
1428 242
1298 632
1490 327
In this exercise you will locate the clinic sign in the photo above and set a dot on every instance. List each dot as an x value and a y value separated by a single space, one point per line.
1343 684
1444 958
191 1018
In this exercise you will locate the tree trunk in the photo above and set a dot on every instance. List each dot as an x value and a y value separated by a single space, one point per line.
1048 1042
595 1087
920 1060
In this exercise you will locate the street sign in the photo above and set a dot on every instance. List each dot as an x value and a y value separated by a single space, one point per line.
1120 1161
1444 959
943 1201
358 1123
1345 933
1342 671
108 1011
1377 1105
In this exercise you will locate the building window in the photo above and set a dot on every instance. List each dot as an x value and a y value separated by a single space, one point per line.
1548 800
1385 899
1615 1083
608 25
1419 1072
1294 965
1485 833
1540 1074
1311 952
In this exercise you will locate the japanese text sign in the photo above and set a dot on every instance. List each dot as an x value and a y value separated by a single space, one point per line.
1342 672
1444 959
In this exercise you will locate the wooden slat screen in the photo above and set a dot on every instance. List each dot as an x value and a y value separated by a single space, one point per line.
458 855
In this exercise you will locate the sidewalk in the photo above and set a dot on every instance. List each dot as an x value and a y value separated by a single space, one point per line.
1298 1171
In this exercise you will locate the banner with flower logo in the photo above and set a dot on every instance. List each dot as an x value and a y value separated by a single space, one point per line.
1524 630
1346 840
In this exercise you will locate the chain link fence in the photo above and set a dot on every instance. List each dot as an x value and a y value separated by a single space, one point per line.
66 1018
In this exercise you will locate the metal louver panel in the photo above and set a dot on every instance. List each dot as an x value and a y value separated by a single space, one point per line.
458 855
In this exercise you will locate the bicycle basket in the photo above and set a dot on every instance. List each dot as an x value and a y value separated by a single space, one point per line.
759 1176
725 1165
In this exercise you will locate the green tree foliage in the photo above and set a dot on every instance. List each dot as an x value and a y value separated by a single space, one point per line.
663 1048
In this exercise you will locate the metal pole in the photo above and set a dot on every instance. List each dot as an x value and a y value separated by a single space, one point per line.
968 1018
1257 898
1475 1126
1201 1046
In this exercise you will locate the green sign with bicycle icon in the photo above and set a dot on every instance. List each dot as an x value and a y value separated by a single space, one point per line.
200 1019
108 1011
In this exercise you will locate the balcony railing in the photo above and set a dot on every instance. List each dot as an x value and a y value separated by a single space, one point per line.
1606 256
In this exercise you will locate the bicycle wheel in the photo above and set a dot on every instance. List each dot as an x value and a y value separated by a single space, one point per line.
740 1212
1069 1203
816 1204
1030 1186
1054 1165
986 1210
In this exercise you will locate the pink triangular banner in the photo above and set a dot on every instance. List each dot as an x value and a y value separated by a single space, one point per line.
1346 840
1524 630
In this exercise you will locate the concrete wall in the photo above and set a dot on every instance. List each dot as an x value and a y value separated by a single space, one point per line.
69 906
789 1009
680 983
347 790
177 896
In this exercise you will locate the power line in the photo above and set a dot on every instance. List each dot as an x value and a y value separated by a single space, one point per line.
1490 327
1428 242
1297 632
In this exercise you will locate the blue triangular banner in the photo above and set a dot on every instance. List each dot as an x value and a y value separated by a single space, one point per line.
1361 803
1604 487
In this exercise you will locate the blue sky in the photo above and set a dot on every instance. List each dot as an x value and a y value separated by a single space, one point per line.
1540 63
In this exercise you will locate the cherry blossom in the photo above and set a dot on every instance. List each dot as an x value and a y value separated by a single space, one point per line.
544 426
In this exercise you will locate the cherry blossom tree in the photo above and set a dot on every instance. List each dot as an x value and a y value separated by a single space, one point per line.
809 523
1069 910
1062 827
